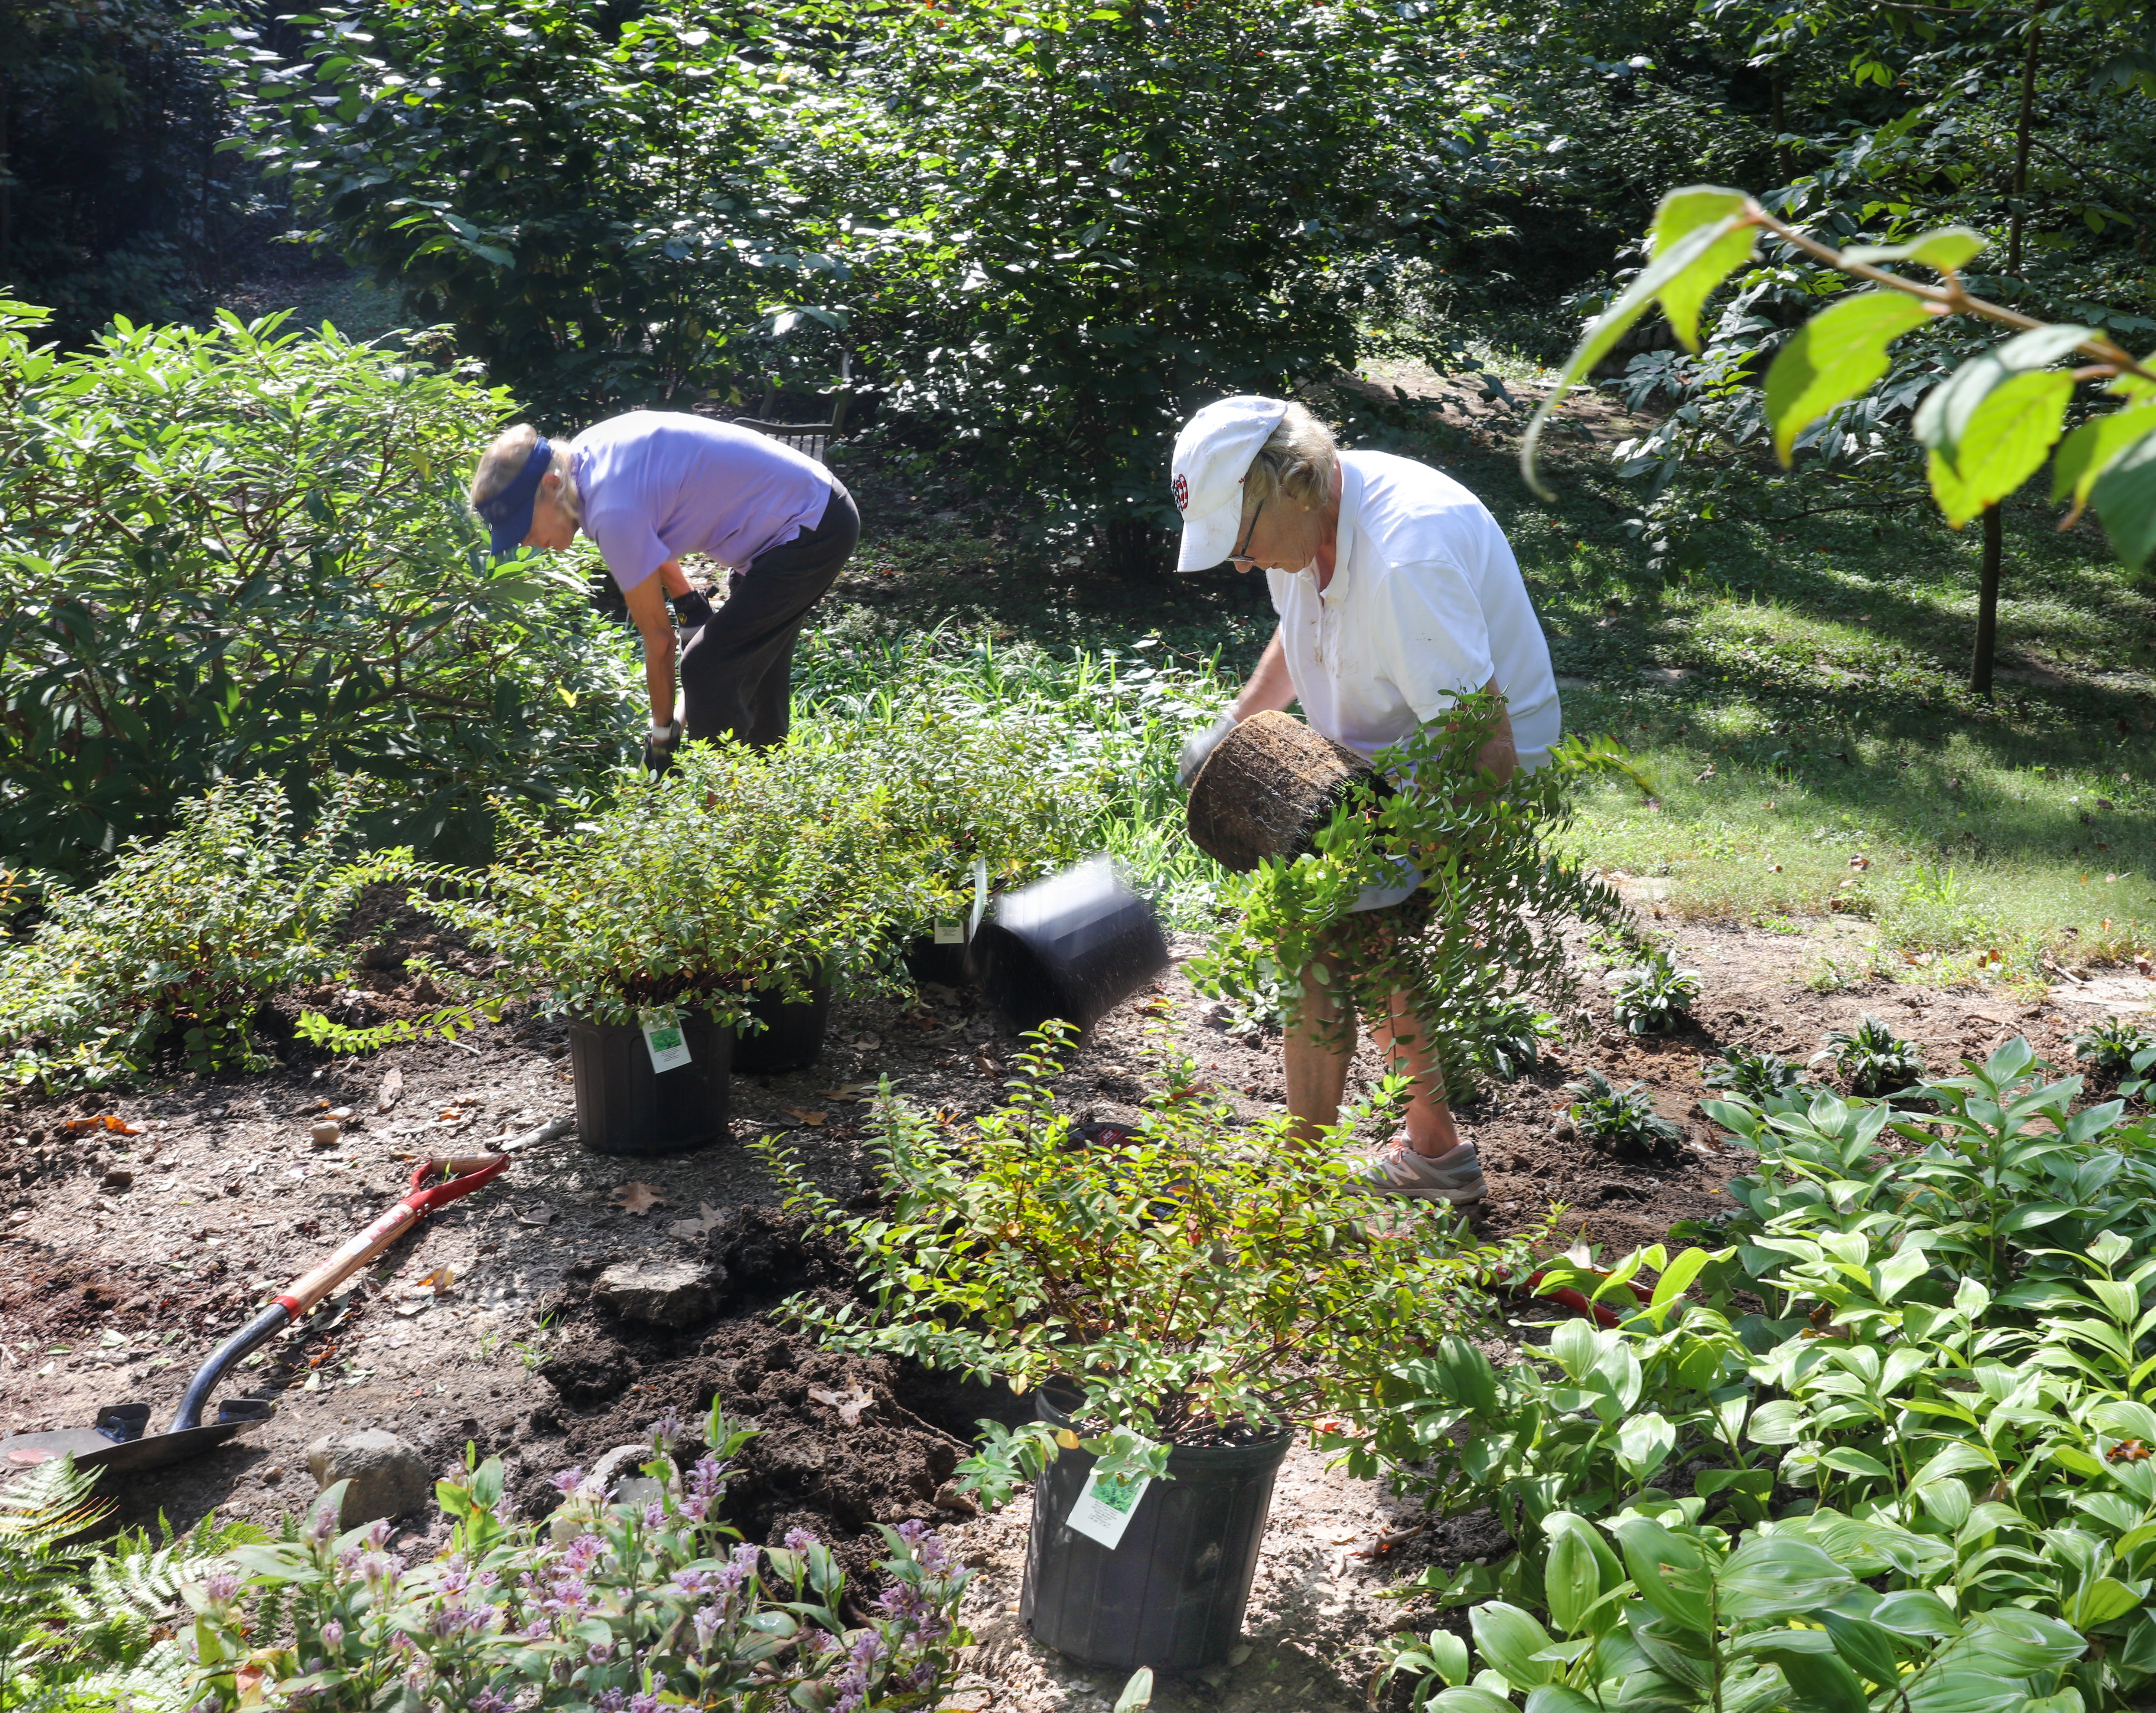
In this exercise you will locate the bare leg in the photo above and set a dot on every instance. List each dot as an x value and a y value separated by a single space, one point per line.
1317 1058
1431 1131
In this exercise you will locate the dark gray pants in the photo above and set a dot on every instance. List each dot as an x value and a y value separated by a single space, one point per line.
737 666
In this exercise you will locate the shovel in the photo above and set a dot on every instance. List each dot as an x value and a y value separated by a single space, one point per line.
117 1440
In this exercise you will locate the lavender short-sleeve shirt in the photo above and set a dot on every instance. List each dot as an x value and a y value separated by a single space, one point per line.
656 483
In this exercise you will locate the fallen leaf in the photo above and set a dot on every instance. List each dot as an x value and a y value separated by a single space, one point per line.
637 1198
707 1220
2110 879
534 1215
1700 778
849 1404
1773 867
390 1091
1860 862
801 1117
442 1279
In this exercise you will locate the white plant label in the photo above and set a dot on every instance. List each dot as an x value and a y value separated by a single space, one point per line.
950 933
1104 1508
662 1039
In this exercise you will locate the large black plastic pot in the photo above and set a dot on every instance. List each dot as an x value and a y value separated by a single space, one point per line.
926 960
793 1034
1074 946
623 1107
1171 1595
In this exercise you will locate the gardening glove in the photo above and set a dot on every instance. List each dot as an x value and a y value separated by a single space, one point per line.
1200 746
658 745
692 609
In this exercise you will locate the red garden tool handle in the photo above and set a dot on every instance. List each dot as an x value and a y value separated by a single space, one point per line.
470 1173
465 1174
1564 1295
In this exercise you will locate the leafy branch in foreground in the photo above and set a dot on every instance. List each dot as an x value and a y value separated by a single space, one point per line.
1987 428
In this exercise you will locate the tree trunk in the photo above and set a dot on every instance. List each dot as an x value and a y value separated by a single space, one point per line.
1782 162
2021 126
1268 789
1987 603
1132 549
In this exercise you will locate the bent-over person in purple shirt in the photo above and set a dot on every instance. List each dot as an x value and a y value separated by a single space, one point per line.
651 485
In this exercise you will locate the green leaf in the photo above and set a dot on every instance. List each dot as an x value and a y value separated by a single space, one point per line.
2086 453
1137 1692
1644 1443
1867 1647
1448 1655
2005 442
1916 1612
1556 1698
1509 1639
2103 1600
2125 498
1701 247
1947 249
1774 1577
1469 1700
1943 417
1834 357
1855 1463
1680 213
1820 1680
1571 1582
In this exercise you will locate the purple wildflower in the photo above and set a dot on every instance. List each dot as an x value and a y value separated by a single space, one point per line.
654 1514
800 1540
666 1430
599 1653
332 1635
221 1587
567 1481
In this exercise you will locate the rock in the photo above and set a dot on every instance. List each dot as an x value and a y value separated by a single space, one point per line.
388 1476
663 1293
119 1177
325 1136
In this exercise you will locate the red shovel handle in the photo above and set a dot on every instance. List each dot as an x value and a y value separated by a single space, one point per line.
469 1173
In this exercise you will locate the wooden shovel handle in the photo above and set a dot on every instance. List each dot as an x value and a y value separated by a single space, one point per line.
467 1173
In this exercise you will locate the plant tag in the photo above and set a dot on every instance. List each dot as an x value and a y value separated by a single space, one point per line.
980 894
662 1039
1103 1511
950 933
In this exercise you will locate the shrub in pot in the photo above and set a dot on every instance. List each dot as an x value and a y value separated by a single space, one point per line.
1179 1297
736 872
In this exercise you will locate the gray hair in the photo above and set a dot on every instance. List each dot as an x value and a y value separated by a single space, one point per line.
1296 462
500 465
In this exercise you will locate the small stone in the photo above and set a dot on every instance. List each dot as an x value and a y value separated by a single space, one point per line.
326 1136
1213 1677
388 1477
340 1113
118 1178
662 1293
1238 1654
272 1475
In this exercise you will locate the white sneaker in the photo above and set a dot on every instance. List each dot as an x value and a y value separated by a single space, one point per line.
1399 1171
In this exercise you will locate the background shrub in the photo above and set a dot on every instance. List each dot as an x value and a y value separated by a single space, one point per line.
241 552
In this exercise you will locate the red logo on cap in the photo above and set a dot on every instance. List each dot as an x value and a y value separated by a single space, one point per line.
1182 491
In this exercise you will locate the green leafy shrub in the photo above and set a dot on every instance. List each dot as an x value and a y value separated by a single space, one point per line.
1872 1057
1038 282
1757 1077
737 870
238 551
182 942
1478 941
1653 997
1621 1122
594 206
614 1602
1191 1277
2110 1048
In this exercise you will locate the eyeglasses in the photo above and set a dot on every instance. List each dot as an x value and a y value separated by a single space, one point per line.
1240 561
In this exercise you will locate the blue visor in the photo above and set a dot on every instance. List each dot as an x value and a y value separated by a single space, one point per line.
508 514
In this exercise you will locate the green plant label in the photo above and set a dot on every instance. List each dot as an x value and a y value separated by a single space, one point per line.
950 933
662 1038
1105 1506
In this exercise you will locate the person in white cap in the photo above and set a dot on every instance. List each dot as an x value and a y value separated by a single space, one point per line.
1397 594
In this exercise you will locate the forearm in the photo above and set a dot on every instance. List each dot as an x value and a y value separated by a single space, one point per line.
658 676
1499 755
1269 689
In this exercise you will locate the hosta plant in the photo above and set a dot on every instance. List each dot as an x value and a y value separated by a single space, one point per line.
1871 1059
616 1601
1653 995
1621 1122
182 942
1187 1279
1757 1077
2117 1051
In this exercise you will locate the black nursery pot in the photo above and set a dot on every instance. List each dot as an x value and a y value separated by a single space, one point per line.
1172 1593
925 960
623 1107
792 1038
1074 946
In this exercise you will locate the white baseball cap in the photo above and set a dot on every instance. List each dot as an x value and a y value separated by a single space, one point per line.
1213 455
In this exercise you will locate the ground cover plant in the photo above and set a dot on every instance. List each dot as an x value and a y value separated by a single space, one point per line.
1191 1283
1751 1076
1620 1122
182 942
1653 995
1871 1059
623 1599
1929 1434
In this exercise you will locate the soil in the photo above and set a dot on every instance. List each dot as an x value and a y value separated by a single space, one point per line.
125 1257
